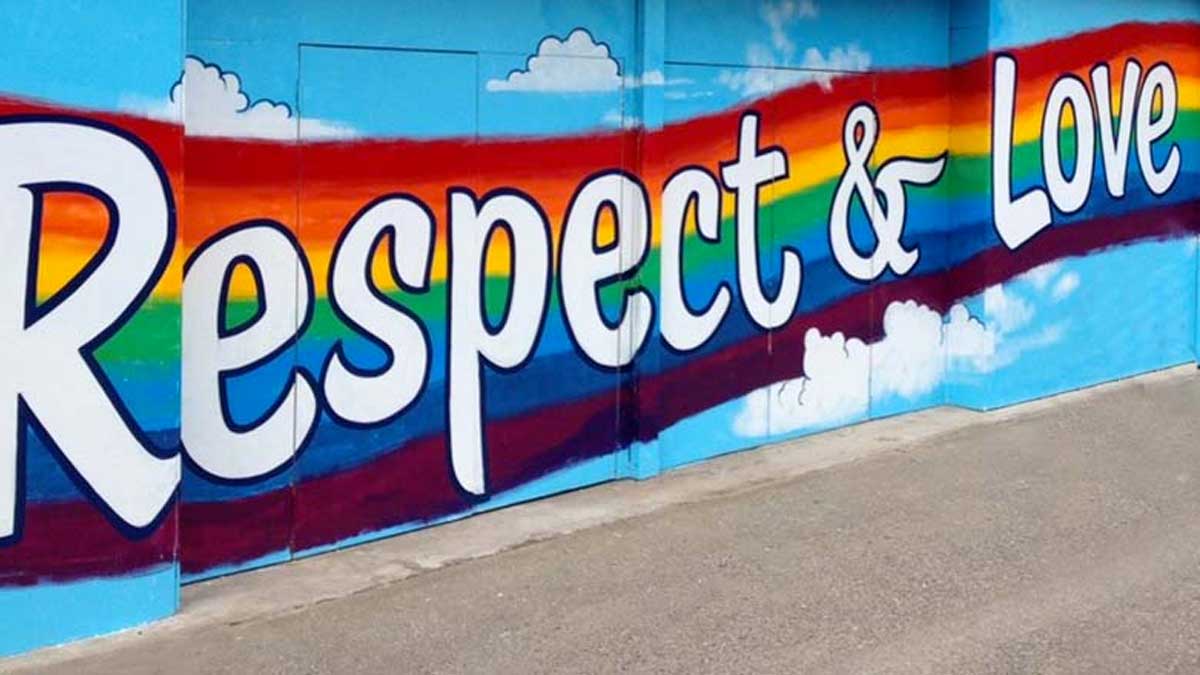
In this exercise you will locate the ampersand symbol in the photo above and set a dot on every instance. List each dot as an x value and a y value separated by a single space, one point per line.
859 136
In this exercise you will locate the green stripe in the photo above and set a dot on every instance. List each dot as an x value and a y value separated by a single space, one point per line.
153 334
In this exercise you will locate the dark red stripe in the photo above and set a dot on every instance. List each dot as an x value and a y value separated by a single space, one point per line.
413 483
72 540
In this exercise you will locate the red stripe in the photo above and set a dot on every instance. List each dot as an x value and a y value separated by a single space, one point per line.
65 541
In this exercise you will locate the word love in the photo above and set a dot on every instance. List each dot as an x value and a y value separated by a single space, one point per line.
1018 219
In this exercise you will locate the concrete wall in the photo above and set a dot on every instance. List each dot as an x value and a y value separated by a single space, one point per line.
361 269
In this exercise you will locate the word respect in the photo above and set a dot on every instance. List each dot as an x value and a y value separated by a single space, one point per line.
49 376
367 397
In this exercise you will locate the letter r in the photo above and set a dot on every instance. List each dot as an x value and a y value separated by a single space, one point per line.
47 368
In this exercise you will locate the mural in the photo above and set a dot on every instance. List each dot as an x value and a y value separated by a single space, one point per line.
336 279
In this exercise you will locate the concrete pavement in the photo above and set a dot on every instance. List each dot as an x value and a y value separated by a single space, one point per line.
1061 536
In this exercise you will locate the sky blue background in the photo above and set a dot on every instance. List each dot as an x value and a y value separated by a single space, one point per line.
125 54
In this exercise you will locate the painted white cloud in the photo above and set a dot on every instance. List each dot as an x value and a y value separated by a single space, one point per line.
1005 310
1042 275
848 58
213 103
911 357
970 345
828 398
919 348
577 64
775 66
614 118
841 375
757 80
654 78
677 95
768 73
1065 286
779 15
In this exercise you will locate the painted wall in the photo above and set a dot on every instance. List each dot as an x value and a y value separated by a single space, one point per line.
342 276
89 318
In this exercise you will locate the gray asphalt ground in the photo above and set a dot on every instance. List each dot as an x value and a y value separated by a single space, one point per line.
1062 541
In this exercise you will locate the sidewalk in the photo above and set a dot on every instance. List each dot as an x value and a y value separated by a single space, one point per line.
1060 536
